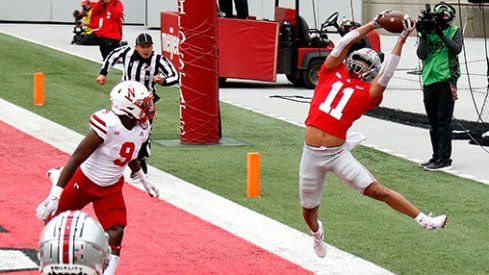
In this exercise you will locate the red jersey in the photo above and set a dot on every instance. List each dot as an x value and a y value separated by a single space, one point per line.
338 101
110 19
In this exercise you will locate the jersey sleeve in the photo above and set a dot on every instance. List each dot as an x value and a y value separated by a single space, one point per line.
99 123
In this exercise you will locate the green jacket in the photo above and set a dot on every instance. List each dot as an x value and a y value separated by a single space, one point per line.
440 65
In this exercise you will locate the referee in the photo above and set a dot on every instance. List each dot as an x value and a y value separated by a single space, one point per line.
143 65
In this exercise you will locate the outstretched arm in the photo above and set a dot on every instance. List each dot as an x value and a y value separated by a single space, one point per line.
380 82
338 54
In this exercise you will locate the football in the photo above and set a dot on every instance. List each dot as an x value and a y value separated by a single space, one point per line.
392 21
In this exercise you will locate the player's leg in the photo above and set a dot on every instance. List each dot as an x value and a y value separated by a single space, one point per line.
74 197
311 183
112 215
352 172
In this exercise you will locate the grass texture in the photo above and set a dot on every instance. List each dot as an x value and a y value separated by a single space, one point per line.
354 223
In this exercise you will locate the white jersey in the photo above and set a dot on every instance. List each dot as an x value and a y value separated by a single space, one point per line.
106 164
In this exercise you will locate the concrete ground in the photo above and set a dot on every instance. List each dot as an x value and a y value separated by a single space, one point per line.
403 93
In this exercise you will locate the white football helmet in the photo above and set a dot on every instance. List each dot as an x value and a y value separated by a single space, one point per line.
364 63
132 99
73 243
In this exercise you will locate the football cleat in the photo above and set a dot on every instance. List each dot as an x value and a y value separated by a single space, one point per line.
319 245
432 223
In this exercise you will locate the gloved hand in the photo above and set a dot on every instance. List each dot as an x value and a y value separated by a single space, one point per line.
375 20
408 25
50 204
152 190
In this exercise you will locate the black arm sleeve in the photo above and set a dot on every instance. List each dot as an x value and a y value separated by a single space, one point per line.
422 50
454 45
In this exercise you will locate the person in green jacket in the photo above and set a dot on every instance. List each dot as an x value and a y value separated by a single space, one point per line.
440 42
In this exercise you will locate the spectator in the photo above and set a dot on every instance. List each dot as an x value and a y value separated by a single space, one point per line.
143 65
94 172
344 93
440 42
109 30
226 6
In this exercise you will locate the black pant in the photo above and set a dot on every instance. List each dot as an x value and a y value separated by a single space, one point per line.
226 6
108 45
90 40
439 105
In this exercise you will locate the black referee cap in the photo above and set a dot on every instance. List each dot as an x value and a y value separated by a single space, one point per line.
144 38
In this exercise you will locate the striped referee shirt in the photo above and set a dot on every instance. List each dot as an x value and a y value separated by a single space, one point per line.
141 70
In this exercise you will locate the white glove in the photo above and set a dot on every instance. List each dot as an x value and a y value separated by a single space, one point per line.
408 25
49 206
152 190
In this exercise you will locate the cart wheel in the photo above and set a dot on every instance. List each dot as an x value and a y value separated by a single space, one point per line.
310 76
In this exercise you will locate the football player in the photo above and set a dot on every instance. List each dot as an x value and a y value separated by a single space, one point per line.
94 172
73 243
345 91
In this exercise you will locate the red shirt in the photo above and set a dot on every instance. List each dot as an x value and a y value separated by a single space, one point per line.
338 101
110 19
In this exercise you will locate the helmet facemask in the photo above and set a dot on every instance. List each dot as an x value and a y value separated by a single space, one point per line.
364 64
147 108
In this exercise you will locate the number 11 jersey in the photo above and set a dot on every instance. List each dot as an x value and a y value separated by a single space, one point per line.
338 101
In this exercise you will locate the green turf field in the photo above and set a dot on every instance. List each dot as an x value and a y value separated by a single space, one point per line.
354 223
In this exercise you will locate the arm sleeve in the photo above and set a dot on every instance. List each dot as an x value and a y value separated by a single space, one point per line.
454 45
113 57
422 51
167 70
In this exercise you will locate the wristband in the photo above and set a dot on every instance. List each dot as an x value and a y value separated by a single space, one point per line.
140 175
56 191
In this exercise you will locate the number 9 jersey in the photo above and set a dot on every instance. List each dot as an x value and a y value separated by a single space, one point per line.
338 101
105 166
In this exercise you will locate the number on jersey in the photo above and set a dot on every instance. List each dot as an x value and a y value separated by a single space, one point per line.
336 112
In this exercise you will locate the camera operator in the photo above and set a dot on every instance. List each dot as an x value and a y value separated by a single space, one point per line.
85 22
440 42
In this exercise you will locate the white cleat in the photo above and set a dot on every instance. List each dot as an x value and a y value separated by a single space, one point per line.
319 245
53 174
433 223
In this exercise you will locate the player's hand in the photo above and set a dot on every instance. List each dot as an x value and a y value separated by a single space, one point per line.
152 190
375 20
101 79
409 25
158 79
49 206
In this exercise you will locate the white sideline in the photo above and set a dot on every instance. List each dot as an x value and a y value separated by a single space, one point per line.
264 232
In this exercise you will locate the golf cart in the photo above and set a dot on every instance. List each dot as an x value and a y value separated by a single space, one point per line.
260 49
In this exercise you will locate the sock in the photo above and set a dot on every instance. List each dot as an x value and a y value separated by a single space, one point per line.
112 265
421 219
317 233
